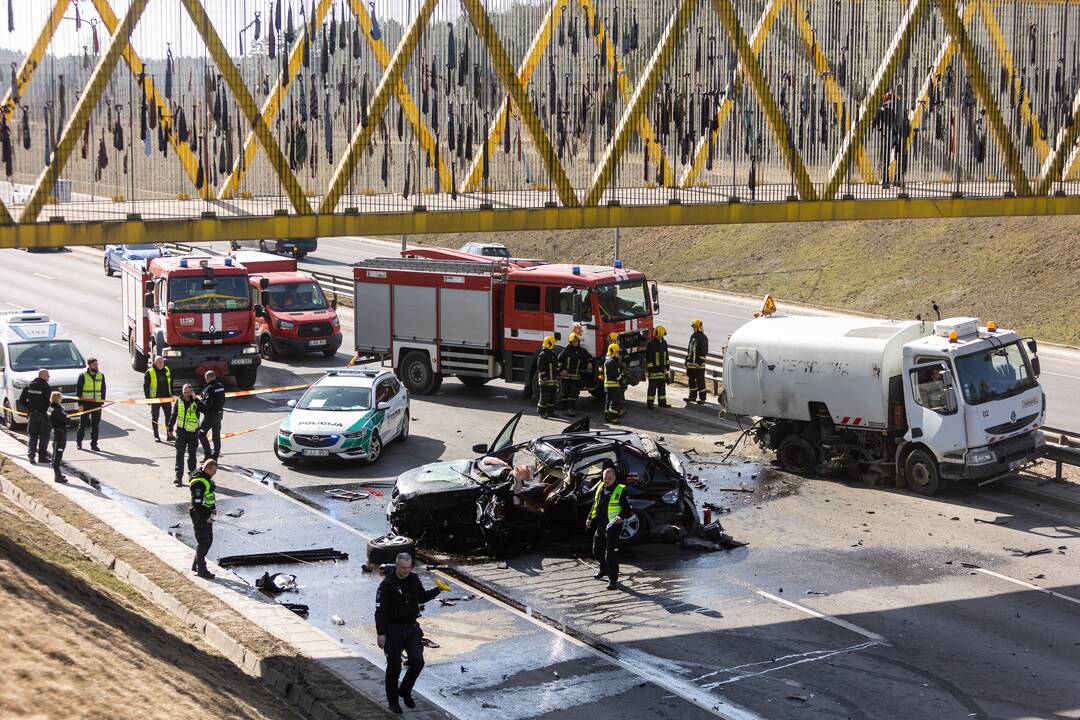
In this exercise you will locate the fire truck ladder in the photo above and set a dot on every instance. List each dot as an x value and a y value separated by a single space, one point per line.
497 270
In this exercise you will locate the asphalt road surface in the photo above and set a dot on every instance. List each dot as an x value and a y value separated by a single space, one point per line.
848 602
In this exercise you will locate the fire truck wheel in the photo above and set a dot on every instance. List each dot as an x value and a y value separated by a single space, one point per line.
417 375
472 381
138 360
245 377
921 473
797 455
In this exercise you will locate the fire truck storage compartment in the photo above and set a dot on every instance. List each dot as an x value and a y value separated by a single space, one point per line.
414 313
372 317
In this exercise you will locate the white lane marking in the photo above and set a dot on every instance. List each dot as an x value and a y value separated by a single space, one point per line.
704 699
822 616
1030 586
1071 377
708 312
114 342
47 277
17 307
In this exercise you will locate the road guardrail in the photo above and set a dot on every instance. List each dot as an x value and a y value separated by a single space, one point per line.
1062 447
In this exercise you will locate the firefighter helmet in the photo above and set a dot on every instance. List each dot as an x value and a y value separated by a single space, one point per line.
660 331
696 324
613 336
549 342
574 337
613 349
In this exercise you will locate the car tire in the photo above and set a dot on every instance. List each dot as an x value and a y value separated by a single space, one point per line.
8 417
267 349
403 434
375 447
246 377
386 548
641 527
329 352
108 267
277 453
472 381
417 375
138 360
921 473
797 455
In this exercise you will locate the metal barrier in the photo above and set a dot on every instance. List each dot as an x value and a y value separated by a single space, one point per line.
1066 451
714 366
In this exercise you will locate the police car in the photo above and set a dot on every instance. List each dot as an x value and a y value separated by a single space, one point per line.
31 341
349 414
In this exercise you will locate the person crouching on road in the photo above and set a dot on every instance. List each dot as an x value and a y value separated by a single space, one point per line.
203 513
614 384
35 398
547 374
59 421
91 391
213 407
610 508
157 385
397 606
188 412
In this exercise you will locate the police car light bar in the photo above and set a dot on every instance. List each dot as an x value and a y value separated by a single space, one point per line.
352 372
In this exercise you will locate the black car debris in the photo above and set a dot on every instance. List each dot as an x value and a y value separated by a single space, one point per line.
476 502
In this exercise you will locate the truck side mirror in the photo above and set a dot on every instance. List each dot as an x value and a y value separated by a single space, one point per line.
1032 346
264 283
264 298
148 286
259 311
950 399
1035 366
333 300
148 299
655 297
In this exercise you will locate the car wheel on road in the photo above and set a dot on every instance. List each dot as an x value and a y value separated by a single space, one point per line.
921 473
797 455
385 548
374 447
266 348
635 529
8 416
108 267
279 456
329 352
403 434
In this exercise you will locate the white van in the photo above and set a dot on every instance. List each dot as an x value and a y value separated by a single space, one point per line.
30 341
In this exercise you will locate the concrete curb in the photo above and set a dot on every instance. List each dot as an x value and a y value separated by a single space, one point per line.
241 656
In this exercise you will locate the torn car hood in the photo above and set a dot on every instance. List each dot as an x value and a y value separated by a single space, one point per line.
437 477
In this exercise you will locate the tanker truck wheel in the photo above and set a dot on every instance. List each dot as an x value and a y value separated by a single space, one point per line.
921 473
797 455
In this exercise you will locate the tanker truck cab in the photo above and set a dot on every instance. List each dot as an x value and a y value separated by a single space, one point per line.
972 403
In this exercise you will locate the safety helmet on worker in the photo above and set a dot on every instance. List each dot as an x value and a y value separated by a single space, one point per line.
613 336
660 331
696 324
574 337
549 342
613 349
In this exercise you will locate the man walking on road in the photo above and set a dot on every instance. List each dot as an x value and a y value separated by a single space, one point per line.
203 512
157 384
59 421
213 407
696 353
91 391
35 398
547 374
397 606
188 411
657 366
610 508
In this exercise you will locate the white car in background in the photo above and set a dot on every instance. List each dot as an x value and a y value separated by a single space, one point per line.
483 249
348 414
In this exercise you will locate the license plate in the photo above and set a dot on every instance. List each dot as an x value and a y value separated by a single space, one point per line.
70 407
316 343
316 453
242 361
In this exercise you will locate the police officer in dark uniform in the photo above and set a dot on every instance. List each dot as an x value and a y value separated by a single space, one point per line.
397 606
91 391
59 421
157 385
188 413
610 508
614 384
657 367
696 353
573 360
203 512
547 373
213 398
35 398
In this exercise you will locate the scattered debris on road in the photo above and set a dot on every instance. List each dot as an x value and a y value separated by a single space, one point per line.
1017 552
337 620
302 556
276 584
238 512
347 495
298 608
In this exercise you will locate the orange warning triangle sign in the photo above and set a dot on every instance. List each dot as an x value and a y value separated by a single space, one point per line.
769 306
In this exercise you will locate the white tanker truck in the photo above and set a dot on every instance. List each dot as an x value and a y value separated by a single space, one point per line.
920 403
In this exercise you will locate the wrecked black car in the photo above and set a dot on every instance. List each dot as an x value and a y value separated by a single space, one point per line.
484 501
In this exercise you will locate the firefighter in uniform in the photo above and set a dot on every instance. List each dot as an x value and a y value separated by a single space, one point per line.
188 412
572 362
91 391
609 509
35 398
203 512
157 384
614 382
658 367
397 606
547 372
696 353
213 407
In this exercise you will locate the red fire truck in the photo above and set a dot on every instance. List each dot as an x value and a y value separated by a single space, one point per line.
484 318
195 311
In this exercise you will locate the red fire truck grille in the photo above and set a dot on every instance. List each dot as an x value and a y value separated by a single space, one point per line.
218 335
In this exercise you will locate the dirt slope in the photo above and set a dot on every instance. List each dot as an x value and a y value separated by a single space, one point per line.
1022 272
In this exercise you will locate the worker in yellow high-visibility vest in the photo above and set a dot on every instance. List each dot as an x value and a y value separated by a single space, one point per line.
157 385
91 391
610 509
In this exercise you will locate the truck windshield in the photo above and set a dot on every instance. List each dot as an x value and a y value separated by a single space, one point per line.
994 374
622 301
198 293
336 397
296 297
50 355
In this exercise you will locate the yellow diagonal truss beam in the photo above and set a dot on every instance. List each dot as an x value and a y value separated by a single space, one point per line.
1064 151
271 107
388 86
635 107
157 103
36 55
412 114
231 73
881 82
1001 47
486 30
729 19
525 72
648 133
955 25
757 42
99 79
